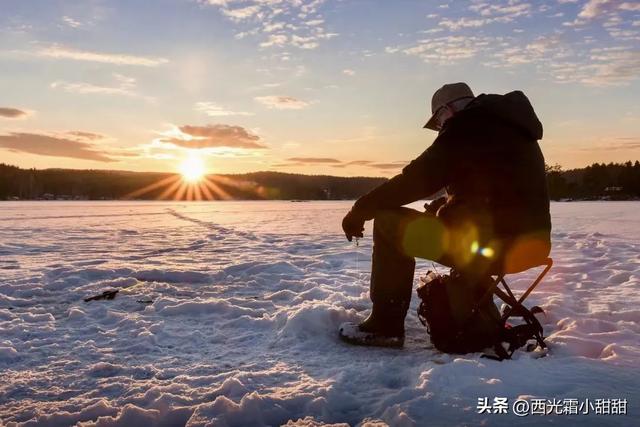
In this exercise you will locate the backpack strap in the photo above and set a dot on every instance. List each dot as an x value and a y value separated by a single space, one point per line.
515 337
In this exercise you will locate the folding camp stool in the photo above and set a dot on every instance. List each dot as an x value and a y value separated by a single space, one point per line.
515 307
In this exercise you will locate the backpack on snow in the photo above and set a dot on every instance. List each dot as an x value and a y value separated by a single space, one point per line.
459 322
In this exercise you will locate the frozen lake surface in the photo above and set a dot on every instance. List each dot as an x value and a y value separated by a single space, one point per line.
246 299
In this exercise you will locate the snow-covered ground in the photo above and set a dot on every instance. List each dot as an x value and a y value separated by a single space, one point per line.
246 301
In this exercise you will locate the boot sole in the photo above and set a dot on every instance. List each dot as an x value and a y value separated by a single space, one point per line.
371 340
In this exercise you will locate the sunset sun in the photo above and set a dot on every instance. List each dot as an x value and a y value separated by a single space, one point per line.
192 169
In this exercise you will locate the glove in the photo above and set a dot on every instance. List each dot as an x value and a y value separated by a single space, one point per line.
433 207
353 225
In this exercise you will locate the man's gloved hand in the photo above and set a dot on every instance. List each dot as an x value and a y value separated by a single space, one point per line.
353 225
432 207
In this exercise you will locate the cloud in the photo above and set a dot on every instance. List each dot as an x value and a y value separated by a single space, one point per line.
385 166
73 145
397 165
276 23
70 22
335 163
584 57
12 113
613 66
270 27
212 136
86 135
505 12
449 49
214 110
60 52
489 13
616 144
462 23
358 163
242 13
275 40
597 8
594 8
308 42
313 160
610 66
282 102
89 89
630 6
124 86
537 50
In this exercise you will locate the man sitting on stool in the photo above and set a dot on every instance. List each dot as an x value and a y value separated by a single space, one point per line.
496 211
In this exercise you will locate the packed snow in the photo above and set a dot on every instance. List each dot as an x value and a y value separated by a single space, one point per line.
227 315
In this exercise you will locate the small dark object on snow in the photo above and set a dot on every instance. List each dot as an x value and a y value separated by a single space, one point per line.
144 301
105 295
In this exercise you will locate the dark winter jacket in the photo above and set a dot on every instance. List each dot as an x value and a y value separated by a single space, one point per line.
488 159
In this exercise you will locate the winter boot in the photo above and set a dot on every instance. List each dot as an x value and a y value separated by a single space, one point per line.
383 328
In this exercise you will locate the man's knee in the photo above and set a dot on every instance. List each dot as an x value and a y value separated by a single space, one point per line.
413 233
425 237
397 228
391 220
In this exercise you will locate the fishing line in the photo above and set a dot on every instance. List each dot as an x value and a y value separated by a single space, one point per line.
358 272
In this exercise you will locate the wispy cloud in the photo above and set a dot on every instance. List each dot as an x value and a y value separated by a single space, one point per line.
241 14
564 57
70 22
212 136
598 9
72 145
335 163
312 160
489 13
630 6
383 166
61 52
13 113
616 144
613 66
594 8
275 40
90 136
448 49
124 85
277 23
502 11
214 110
462 23
282 102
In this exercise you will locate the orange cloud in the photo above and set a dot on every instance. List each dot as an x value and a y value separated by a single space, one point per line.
282 102
312 160
12 113
54 145
213 136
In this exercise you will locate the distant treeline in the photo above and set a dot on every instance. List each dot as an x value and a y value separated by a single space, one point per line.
68 184
599 181
613 181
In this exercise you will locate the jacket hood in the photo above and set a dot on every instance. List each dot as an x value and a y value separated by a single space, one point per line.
513 107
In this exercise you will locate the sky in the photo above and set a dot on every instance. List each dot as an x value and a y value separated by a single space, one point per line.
340 87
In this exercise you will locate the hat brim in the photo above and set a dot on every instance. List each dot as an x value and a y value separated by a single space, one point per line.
432 123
